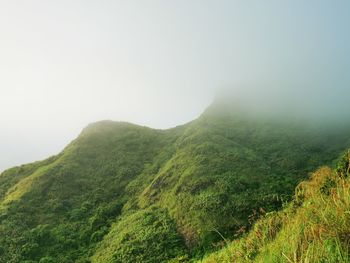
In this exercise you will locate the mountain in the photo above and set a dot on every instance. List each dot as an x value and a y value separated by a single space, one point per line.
126 193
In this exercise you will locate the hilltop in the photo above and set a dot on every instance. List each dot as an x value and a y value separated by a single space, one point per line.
127 193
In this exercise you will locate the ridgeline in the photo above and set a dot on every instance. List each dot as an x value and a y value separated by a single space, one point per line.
126 193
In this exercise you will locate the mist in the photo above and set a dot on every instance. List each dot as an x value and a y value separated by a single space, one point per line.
65 64
304 100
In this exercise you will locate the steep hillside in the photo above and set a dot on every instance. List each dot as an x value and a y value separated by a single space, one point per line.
64 205
125 193
315 227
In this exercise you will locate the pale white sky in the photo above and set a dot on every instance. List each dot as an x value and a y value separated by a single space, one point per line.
64 64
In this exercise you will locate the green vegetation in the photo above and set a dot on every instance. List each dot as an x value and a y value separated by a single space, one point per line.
145 236
314 227
126 193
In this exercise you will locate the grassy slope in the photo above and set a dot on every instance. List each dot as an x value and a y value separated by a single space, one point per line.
315 227
11 177
223 168
119 186
71 206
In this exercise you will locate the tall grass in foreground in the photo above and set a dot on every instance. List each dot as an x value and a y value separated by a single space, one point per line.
315 227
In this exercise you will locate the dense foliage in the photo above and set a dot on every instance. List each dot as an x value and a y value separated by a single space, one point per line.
314 227
145 236
125 193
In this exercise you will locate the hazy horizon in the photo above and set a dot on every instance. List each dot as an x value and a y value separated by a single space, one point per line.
66 64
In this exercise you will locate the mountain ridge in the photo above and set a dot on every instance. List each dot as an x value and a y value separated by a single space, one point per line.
200 181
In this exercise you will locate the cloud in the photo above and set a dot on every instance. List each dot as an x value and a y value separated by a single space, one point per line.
64 64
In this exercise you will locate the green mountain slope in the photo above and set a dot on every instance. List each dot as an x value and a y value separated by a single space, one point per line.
62 208
126 193
315 227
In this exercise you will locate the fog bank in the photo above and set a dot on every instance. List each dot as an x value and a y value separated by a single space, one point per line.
65 64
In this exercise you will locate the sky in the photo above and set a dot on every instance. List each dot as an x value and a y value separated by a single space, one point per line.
67 63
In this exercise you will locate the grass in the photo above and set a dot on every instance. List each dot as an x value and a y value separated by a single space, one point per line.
315 227
197 184
19 189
